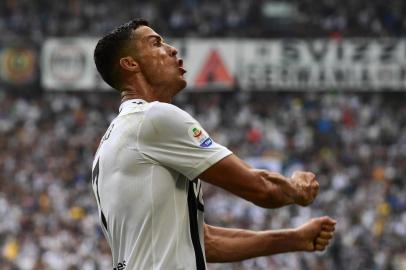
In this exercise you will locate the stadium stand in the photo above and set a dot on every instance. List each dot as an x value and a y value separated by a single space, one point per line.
38 19
355 142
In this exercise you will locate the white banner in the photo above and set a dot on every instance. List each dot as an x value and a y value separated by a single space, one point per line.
357 64
211 64
223 64
67 64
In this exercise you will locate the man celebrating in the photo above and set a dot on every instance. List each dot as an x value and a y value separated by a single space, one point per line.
147 170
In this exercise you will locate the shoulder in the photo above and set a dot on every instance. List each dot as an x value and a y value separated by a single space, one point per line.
165 113
163 122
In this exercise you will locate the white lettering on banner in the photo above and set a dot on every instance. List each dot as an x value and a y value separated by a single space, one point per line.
361 64
357 76
333 52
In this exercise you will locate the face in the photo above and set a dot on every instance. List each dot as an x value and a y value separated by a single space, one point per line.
158 61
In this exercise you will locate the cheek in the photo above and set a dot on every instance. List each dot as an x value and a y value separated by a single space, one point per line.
156 62
156 67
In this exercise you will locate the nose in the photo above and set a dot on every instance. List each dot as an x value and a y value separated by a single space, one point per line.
172 50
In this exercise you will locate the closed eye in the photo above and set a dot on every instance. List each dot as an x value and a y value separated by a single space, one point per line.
155 40
158 41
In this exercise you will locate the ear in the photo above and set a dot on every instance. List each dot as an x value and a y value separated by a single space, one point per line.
128 63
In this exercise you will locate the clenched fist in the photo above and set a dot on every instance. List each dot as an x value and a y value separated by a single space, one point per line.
315 235
306 187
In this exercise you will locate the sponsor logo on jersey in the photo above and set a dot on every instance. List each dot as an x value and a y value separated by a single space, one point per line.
121 266
197 132
206 143
200 136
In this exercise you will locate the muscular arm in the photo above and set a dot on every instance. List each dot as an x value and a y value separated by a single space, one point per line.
264 188
230 245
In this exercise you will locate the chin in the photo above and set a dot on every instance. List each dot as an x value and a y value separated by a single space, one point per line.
181 84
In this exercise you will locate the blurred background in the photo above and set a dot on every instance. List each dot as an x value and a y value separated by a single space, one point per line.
286 85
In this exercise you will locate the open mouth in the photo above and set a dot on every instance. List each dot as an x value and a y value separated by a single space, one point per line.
180 63
182 70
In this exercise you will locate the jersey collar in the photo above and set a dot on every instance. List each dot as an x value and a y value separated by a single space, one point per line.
130 103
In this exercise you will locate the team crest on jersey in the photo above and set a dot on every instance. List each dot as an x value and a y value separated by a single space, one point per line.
200 136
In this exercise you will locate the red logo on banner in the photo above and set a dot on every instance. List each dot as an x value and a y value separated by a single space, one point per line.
214 72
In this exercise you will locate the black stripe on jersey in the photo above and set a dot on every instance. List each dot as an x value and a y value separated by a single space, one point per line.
95 180
194 229
198 186
104 221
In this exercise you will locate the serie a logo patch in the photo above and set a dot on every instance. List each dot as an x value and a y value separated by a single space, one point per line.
200 136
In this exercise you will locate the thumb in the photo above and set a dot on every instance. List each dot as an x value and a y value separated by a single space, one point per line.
327 221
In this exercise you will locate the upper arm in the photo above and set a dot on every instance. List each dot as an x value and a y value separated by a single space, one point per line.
235 176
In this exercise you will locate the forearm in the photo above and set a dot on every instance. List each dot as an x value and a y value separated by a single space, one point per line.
280 190
263 188
229 245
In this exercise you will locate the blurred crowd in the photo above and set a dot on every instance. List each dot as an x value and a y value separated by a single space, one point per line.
355 143
205 18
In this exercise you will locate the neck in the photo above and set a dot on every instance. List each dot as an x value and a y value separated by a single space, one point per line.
127 94
141 89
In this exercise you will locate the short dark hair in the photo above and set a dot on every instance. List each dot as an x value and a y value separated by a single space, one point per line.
107 51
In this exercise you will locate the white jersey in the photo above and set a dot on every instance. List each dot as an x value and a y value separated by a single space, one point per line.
144 178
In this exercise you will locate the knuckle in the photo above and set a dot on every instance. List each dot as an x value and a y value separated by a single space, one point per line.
311 175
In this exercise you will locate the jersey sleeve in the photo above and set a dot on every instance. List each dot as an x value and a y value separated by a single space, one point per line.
171 137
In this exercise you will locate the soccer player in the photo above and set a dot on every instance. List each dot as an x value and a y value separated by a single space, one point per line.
147 170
